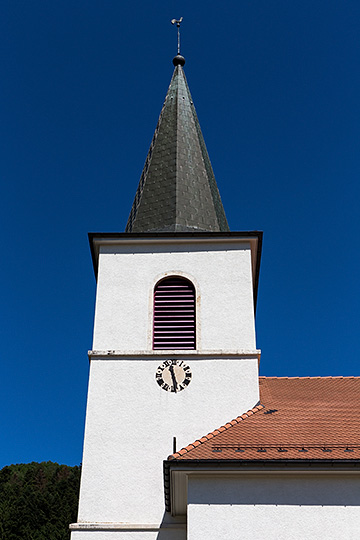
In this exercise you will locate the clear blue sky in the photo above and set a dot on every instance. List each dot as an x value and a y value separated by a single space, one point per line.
276 87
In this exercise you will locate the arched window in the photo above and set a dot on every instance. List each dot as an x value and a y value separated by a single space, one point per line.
174 314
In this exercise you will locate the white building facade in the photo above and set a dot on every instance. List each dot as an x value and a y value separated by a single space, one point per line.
131 420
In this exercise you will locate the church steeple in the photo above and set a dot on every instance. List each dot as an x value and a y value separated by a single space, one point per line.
177 191
174 316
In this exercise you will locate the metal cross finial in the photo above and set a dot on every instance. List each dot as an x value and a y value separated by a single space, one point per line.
177 22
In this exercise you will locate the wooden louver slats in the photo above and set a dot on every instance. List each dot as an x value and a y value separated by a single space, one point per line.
174 314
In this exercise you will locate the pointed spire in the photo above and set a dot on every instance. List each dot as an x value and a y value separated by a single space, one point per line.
177 191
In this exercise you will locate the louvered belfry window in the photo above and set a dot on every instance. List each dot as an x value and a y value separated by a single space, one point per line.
174 314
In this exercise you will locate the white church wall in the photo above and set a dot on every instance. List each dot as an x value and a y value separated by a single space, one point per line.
131 421
221 273
275 507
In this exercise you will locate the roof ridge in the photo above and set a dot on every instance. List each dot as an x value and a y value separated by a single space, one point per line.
265 377
212 434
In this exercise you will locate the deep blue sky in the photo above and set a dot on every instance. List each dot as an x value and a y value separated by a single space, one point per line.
276 87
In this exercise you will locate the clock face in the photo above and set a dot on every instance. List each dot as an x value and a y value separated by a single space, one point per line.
173 375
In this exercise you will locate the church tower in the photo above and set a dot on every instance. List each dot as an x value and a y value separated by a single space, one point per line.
174 353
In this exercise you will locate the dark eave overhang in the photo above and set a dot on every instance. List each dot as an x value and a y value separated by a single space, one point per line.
96 238
265 466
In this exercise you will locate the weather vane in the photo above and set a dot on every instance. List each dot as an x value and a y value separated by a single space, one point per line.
177 22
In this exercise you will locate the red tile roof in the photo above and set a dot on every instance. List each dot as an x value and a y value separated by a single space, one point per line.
299 418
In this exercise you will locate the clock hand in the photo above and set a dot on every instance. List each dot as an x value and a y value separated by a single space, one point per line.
171 369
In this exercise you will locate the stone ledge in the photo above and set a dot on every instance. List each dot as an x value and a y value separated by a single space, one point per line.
125 526
204 354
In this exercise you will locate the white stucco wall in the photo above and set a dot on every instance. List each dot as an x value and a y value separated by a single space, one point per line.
221 273
130 426
130 420
274 507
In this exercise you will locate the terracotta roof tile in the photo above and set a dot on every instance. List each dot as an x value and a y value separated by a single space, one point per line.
299 418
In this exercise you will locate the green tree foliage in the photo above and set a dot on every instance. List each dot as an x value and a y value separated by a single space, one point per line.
38 501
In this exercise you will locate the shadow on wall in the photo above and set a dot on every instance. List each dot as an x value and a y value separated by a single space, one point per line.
171 529
287 490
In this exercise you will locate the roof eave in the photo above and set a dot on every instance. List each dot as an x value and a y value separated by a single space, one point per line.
255 238
176 472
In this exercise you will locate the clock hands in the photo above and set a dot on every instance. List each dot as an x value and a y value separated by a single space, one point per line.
171 369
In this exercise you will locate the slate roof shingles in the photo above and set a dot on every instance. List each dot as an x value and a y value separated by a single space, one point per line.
178 166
